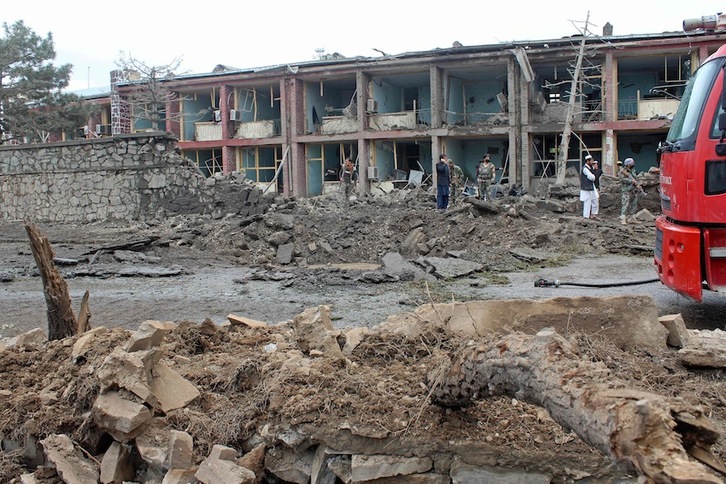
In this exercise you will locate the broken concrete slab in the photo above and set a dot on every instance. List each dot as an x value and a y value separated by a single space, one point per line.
220 467
242 321
84 344
531 255
70 463
171 389
314 331
118 416
446 268
116 465
290 466
370 467
285 253
180 453
140 271
677 331
152 443
462 473
353 338
131 371
150 334
33 337
706 349
395 265
181 476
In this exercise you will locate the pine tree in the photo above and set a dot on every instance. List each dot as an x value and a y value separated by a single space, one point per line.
32 101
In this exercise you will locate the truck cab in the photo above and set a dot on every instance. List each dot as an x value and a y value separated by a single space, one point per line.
690 245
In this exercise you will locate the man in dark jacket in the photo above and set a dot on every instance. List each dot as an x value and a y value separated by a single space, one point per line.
443 178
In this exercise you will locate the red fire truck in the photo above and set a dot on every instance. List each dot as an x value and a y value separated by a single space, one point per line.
690 242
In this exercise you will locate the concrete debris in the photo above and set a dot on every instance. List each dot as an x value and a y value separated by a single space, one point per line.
180 454
149 335
85 343
705 349
70 463
677 331
314 331
119 416
371 467
171 389
116 465
396 266
462 473
348 448
242 321
445 268
220 468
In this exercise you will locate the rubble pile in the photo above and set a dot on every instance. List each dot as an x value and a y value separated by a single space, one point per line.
321 230
302 401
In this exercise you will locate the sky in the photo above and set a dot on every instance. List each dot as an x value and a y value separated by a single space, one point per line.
93 36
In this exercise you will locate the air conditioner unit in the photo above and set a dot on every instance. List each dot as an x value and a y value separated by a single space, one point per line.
235 115
99 129
372 106
373 173
217 115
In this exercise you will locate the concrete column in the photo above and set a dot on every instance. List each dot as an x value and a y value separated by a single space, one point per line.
292 125
513 118
609 153
437 98
364 161
523 168
364 158
361 85
229 159
609 90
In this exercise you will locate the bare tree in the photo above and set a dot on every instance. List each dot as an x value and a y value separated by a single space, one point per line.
150 96
575 94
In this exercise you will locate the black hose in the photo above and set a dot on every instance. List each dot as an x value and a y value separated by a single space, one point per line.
556 283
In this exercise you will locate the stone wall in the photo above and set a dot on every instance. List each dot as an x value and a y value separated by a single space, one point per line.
127 177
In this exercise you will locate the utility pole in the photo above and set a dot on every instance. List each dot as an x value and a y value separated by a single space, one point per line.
567 131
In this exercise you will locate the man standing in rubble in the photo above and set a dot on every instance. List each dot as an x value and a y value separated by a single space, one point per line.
443 178
346 179
485 173
629 189
457 177
587 187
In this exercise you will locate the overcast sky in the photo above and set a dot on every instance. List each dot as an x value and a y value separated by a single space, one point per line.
91 35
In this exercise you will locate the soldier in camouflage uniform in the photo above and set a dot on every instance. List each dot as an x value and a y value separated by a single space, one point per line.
457 178
485 175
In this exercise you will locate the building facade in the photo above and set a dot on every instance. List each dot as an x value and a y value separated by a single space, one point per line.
291 126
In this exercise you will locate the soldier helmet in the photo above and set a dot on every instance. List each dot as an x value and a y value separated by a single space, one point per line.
629 162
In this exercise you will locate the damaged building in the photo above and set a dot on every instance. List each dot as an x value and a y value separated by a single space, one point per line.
289 127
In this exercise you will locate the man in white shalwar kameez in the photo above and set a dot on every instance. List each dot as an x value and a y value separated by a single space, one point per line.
587 187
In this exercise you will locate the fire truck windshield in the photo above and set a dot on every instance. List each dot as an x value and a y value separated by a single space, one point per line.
682 135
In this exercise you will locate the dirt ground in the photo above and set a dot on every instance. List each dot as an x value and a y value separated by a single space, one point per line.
197 270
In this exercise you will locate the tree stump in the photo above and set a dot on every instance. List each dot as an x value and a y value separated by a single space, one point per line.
61 320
